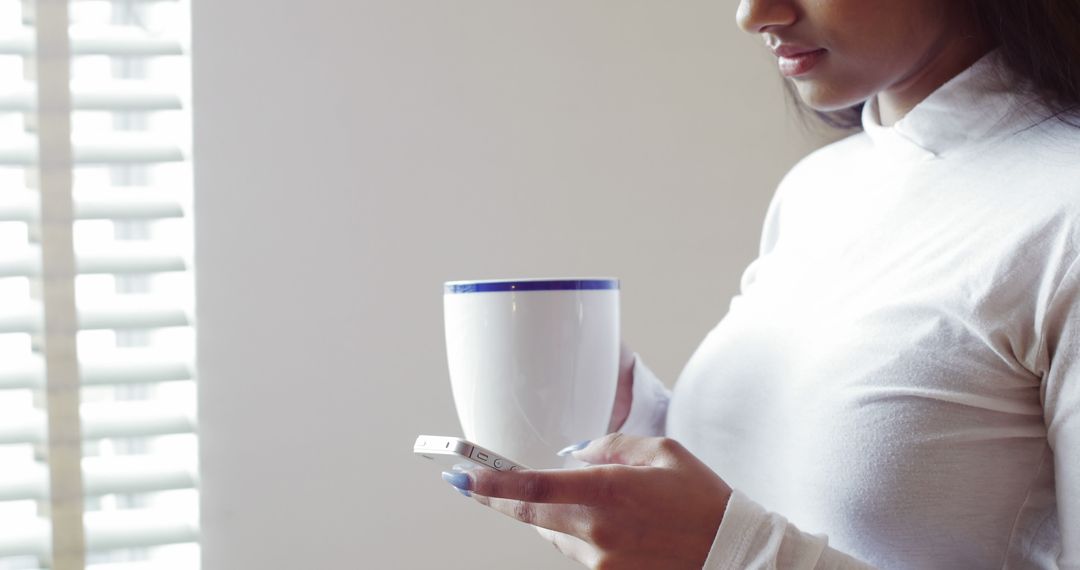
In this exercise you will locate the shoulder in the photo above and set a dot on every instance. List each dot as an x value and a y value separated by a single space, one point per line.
834 154
812 182
833 161
1040 162
1053 142
833 157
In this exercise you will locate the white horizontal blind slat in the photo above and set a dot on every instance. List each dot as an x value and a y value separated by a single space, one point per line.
104 420
29 538
111 204
131 565
127 529
127 204
135 260
105 40
135 565
101 477
112 96
113 149
135 366
123 313
104 531
126 258
134 419
135 474
143 2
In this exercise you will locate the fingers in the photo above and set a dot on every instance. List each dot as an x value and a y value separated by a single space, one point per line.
571 546
572 486
624 393
631 450
626 358
560 518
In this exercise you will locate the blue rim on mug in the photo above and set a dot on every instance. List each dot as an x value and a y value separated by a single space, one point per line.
502 285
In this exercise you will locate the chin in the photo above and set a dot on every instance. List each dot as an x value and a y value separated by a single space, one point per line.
825 97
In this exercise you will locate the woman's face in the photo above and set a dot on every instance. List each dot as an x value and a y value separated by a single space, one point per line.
841 52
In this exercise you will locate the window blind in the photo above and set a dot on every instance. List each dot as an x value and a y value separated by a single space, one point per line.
98 439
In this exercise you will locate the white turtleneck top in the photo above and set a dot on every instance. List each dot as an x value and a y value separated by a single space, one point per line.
897 384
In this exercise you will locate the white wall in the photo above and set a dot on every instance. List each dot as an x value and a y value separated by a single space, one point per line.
353 155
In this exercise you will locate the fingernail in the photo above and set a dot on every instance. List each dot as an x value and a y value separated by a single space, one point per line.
572 448
464 467
459 480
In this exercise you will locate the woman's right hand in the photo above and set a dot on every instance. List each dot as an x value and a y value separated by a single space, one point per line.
624 394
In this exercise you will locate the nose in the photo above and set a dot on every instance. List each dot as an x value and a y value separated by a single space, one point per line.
756 16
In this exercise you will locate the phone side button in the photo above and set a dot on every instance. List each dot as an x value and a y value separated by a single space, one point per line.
499 464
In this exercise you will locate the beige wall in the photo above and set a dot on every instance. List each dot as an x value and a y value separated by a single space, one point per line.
353 155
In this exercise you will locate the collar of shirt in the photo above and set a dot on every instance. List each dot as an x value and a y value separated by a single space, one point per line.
976 104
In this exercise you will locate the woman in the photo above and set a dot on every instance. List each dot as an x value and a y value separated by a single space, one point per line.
898 383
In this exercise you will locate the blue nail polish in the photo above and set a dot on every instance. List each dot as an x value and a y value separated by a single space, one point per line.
572 448
459 480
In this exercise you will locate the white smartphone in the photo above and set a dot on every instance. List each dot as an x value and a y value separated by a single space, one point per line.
451 451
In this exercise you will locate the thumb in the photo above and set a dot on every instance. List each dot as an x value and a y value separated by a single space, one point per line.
629 450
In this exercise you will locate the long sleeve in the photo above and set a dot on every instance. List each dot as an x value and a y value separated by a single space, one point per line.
1060 356
648 408
750 538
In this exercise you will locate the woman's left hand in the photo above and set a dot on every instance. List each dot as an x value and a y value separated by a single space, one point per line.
643 503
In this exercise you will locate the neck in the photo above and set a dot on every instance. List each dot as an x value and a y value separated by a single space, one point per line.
946 62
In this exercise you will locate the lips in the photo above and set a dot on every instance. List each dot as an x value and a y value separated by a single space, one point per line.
795 60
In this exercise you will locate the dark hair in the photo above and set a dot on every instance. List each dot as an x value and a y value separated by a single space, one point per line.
1039 42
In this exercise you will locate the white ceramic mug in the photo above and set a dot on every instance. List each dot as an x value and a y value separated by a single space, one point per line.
533 362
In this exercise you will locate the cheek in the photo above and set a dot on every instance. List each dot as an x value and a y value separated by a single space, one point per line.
871 43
